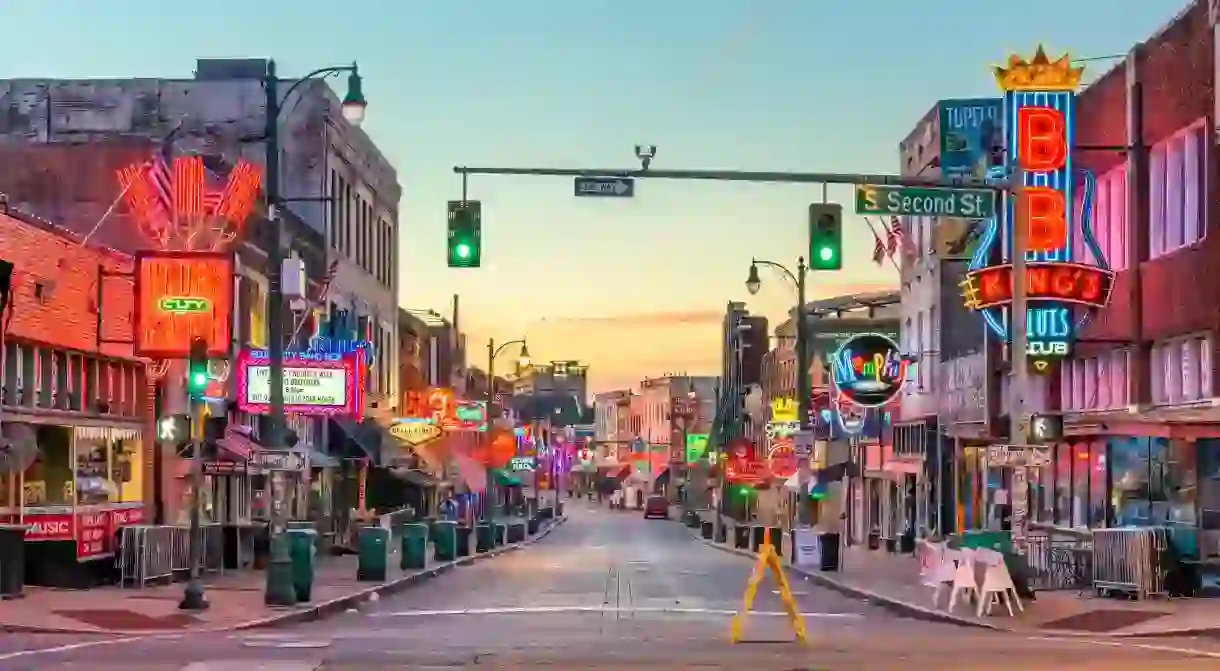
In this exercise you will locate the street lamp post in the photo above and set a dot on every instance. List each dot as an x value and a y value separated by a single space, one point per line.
492 352
804 391
279 589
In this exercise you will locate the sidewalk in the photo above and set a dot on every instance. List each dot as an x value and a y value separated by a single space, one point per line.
893 582
236 600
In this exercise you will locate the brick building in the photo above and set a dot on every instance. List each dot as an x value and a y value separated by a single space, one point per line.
76 402
1139 395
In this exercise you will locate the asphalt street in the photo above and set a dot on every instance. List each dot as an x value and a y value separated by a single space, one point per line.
607 590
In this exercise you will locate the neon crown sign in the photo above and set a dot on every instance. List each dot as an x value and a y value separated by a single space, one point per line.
1040 117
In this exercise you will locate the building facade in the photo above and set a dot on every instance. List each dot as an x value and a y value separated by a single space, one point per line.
67 139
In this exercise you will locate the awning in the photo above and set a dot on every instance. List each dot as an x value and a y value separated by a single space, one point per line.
662 477
623 472
504 478
320 459
373 441
415 477
237 444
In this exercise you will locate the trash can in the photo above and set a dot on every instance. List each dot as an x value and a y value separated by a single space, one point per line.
741 537
12 561
533 524
828 545
558 508
463 540
756 538
501 531
516 533
707 529
414 546
484 537
372 554
777 540
302 546
444 541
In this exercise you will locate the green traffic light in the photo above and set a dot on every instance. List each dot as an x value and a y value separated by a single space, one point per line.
199 379
826 254
463 251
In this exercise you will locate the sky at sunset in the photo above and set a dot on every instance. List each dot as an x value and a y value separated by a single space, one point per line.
633 287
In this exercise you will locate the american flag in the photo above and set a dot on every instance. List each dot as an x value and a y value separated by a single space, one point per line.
878 247
894 237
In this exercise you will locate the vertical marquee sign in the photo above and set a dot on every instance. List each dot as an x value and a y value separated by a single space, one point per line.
1039 122
181 296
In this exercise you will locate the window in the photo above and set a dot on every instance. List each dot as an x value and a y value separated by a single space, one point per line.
1180 370
1177 176
1154 481
347 218
1109 220
1095 383
332 225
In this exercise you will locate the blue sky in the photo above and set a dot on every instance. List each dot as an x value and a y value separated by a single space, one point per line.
636 286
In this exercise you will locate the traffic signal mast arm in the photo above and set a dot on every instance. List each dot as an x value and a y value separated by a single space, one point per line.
741 176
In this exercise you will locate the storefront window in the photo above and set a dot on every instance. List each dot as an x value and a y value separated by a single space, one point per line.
108 466
1130 487
1097 485
48 480
1063 485
1174 477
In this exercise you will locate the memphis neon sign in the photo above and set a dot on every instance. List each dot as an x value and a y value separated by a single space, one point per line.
1040 116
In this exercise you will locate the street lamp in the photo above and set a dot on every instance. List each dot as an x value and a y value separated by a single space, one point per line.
523 359
279 589
804 390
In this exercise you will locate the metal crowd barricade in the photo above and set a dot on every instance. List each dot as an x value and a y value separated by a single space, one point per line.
1129 560
152 553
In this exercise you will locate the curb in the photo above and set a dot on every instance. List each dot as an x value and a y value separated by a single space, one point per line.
311 612
916 612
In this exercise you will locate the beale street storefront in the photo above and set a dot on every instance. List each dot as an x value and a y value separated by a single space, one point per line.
73 404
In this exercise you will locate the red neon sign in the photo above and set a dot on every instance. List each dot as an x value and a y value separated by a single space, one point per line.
1044 280
1042 147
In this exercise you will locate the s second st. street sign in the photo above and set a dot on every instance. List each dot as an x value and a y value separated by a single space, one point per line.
604 187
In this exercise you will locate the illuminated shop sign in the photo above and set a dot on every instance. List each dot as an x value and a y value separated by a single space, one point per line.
869 370
181 296
315 383
1039 113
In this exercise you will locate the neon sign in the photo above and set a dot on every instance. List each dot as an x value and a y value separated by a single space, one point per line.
1040 116
314 383
869 370
184 304
342 346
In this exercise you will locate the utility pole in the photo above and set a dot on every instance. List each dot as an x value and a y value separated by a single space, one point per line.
1017 327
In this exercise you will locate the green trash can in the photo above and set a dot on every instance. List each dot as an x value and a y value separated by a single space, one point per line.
302 547
533 524
414 546
372 554
444 541
484 537
501 533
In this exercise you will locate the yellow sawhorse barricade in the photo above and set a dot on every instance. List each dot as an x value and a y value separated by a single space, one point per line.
768 558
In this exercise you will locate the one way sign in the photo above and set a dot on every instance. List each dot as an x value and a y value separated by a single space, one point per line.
608 187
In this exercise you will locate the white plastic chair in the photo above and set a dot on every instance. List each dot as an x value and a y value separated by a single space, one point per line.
938 569
964 580
997 583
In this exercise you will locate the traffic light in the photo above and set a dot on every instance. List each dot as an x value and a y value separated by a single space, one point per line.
825 236
465 234
173 429
197 368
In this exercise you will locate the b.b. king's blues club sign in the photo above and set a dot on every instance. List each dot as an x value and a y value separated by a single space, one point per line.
1053 205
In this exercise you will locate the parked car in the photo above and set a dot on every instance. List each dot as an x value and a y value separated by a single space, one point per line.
656 506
